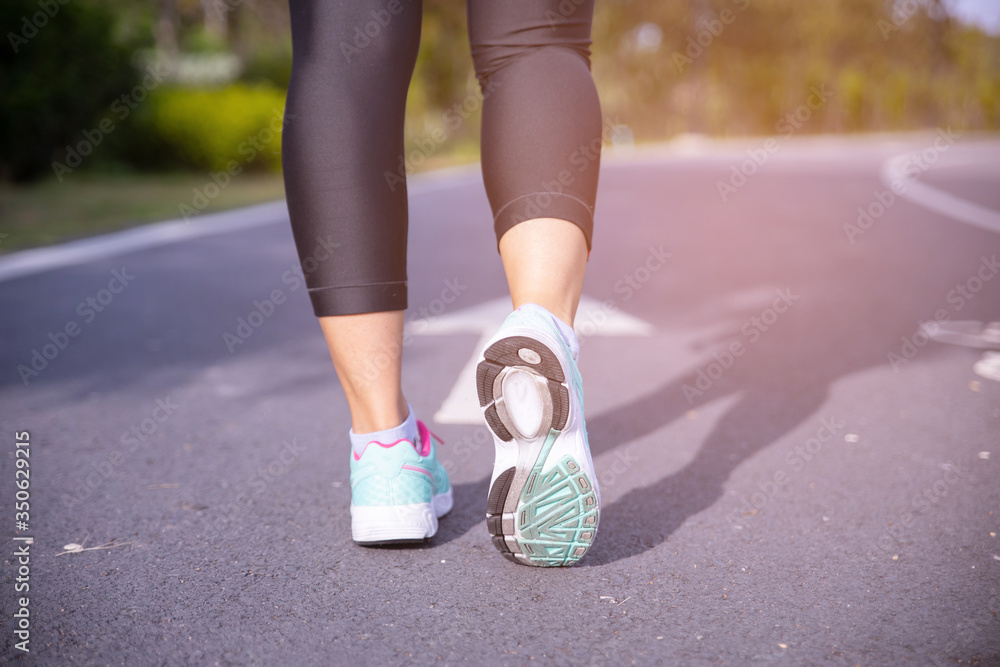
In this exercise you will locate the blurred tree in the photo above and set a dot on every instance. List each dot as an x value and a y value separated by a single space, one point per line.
741 66
722 67
59 71
216 18
167 24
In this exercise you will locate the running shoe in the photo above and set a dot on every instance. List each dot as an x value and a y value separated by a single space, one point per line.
544 503
398 490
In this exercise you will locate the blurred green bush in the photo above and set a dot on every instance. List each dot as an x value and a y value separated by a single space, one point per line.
207 128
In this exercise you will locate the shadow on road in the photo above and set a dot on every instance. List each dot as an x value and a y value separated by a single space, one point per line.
853 310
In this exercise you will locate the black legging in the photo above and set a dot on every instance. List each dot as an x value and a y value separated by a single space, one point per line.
342 144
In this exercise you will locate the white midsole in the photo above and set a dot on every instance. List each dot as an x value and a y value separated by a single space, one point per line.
377 523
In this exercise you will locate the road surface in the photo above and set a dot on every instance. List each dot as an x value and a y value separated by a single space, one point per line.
791 474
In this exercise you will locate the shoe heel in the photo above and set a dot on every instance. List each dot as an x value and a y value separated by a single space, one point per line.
508 363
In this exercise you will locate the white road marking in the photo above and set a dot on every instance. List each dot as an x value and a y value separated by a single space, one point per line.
462 405
37 260
953 207
937 200
80 251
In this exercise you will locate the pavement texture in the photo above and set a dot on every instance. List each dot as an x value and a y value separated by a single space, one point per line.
791 474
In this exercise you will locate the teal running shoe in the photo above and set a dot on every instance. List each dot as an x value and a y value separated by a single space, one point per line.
544 504
398 490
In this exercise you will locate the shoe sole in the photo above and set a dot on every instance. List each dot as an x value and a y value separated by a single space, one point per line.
538 518
399 524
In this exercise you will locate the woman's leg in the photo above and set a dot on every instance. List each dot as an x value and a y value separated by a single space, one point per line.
352 63
541 144
545 259
343 144
367 352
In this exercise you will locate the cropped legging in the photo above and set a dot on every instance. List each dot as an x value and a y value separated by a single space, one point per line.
342 144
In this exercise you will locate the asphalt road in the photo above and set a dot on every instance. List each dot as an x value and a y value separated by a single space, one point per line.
790 473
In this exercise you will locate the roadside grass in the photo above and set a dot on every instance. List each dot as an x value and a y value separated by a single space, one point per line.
91 203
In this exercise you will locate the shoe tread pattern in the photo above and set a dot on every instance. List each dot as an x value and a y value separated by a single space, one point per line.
557 514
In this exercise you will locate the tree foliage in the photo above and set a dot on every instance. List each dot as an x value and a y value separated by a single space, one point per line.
720 67
60 68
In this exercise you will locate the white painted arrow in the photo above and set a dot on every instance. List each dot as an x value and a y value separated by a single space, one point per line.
593 318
